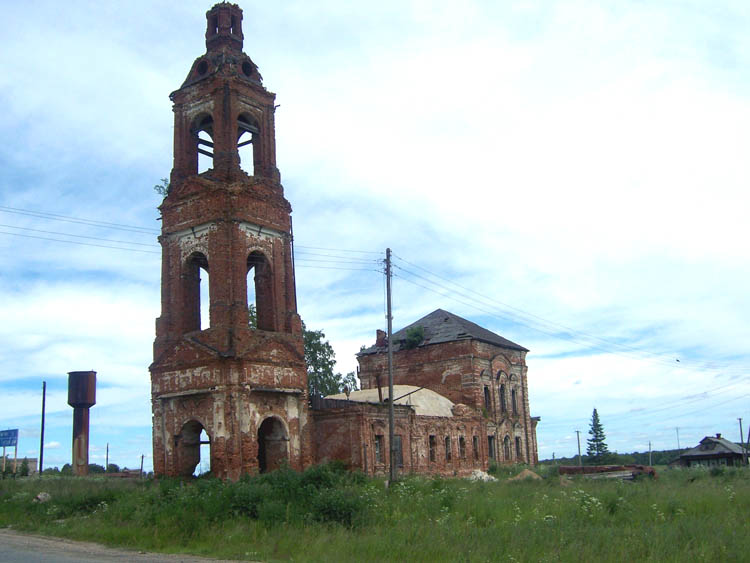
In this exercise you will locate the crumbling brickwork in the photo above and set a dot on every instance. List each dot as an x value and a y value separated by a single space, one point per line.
245 386
470 366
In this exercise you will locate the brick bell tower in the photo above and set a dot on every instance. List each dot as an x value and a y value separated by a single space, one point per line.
226 243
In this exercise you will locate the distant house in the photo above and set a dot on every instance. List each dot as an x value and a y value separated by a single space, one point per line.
711 452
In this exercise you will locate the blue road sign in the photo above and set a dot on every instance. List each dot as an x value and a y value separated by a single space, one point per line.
8 438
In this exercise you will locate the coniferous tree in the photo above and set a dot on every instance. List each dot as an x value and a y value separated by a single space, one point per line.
596 447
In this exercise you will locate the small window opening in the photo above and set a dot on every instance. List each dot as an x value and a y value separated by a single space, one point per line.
433 447
234 23
491 446
506 448
518 448
378 448
513 401
215 25
448 453
247 145
503 405
462 447
475 445
487 402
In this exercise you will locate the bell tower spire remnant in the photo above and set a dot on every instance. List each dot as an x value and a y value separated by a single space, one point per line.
228 370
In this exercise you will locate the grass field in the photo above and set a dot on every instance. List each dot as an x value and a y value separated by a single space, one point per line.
328 514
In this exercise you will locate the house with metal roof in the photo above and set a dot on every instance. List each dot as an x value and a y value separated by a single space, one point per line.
712 451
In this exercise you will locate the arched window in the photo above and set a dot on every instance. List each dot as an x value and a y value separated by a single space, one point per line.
518 449
248 146
196 297
189 445
203 132
273 445
503 405
260 290
506 448
513 401
487 402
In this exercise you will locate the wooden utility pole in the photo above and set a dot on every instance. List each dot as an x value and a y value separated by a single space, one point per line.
649 453
106 460
677 429
578 435
392 445
41 439
742 443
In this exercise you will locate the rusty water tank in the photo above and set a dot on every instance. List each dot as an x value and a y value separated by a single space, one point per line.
82 389
81 396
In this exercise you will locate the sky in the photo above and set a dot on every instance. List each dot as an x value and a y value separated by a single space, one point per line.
569 174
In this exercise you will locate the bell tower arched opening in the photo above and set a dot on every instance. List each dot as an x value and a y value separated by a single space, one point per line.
260 290
248 143
202 133
195 293
273 450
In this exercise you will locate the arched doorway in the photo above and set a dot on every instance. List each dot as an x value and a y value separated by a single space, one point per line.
273 445
188 446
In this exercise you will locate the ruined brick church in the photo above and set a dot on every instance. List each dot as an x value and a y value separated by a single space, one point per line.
241 388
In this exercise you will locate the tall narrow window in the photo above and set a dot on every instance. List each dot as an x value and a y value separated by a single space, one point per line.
461 447
448 453
398 453
203 131
513 401
487 402
475 445
378 448
491 446
506 448
195 293
432 442
260 290
503 405
518 449
247 142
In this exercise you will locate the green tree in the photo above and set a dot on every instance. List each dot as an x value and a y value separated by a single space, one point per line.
162 188
320 359
24 469
596 447
113 468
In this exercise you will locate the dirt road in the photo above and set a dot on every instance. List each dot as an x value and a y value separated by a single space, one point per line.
23 548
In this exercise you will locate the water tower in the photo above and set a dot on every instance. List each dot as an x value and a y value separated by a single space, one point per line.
81 396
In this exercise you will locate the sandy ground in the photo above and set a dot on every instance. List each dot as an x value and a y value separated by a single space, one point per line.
26 548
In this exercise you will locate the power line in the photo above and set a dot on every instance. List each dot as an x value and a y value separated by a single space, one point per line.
69 219
80 236
81 243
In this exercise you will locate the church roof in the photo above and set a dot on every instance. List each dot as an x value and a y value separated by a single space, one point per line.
424 401
443 326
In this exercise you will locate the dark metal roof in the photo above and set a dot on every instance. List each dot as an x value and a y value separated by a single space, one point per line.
711 446
442 326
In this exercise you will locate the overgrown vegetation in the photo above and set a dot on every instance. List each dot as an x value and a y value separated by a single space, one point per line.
327 513
414 337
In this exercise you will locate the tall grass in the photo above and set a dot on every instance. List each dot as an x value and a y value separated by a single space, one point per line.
327 513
